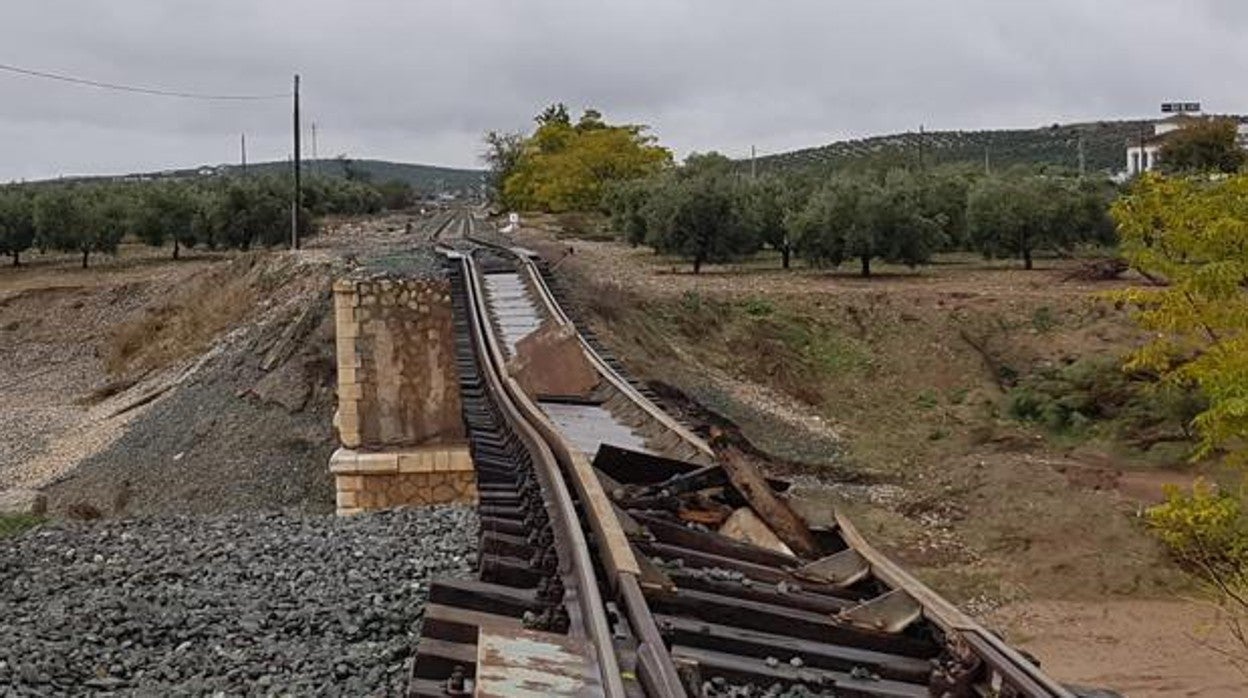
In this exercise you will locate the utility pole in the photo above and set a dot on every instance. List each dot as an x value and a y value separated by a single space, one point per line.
753 164
297 200
1083 162
242 147
316 162
987 166
920 147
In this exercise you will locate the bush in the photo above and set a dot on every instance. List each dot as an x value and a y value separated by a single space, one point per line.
1207 533
1078 397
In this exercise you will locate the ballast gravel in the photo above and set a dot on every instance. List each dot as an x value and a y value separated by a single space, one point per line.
241 605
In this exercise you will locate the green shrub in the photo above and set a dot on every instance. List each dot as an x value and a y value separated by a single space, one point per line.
1043 319
759 307
1088 394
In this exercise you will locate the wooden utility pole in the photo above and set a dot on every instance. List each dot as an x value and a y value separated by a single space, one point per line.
242 147
920 147
753 158
1083 160
316 161
297 199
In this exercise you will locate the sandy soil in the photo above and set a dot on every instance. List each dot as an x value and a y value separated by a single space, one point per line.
1142 648
54 317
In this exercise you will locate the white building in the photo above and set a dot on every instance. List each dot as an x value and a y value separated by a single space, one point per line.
1144 153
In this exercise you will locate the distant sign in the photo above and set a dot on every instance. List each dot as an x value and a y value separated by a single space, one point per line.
1180 107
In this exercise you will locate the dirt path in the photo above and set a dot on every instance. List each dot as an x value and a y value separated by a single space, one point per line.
1141 648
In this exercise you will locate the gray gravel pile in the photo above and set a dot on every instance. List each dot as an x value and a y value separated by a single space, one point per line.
719 687
231 439
241 605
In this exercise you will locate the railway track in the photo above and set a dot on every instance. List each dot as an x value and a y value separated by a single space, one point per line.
607 560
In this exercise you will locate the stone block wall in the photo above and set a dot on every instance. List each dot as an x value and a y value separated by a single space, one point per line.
399 413
397 384
414 477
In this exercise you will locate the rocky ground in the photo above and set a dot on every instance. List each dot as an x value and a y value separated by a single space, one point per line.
177 417
258 604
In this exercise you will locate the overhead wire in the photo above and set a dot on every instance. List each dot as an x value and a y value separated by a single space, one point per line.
140 90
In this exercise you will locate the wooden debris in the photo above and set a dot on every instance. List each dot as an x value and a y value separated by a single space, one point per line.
1099 270
773 510
711 517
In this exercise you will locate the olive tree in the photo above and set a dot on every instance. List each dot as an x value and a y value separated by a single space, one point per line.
17 224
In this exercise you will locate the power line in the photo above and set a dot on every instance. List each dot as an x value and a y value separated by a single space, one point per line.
139 90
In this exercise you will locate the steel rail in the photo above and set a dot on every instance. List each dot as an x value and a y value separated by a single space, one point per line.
575 553
606 371
656 670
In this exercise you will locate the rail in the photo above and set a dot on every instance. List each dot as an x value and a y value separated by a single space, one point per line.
527 420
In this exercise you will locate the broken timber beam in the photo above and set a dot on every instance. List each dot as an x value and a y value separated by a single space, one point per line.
786 524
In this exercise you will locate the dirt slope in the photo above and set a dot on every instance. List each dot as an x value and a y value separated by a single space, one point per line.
147 386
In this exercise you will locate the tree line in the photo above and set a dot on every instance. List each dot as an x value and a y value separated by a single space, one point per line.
709 210
88 218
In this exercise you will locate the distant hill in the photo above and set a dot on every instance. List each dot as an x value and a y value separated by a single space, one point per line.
427 179
1104 145
424 178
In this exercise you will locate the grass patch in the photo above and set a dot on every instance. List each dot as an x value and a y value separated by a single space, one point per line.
1043 320
783 347
184 325
583 226
12 525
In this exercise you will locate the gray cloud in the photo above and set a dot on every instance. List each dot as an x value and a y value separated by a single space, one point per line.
421 81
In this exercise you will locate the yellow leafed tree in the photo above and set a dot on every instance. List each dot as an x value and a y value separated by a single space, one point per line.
1193 234
565 166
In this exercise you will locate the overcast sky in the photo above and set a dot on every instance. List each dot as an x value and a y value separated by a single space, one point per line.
421 81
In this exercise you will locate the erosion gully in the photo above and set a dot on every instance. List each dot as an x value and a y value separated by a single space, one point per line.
623 554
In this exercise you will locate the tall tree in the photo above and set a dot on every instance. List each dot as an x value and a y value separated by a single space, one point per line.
944 201
111 217
821 229
1203 145
167 211
764 211
698 218
17 224
626 202
63 221
562 167
857 218
502 154
1016 216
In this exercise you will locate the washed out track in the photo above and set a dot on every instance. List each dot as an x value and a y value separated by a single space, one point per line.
654 562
